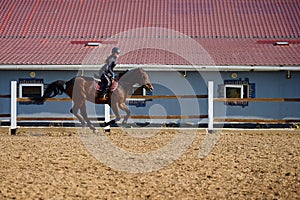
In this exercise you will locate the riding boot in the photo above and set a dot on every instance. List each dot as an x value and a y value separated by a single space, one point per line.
99 94
105 92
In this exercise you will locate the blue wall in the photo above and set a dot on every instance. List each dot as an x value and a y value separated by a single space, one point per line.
268 85
49 109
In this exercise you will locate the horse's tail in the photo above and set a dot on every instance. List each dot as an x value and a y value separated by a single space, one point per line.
53 89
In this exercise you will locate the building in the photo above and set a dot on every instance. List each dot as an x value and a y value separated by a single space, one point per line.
248 48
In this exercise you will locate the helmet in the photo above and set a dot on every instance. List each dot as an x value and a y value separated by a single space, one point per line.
116 50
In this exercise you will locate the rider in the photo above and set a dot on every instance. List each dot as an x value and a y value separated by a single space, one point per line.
106 73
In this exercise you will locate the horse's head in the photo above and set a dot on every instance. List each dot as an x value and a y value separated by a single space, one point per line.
143 79
136 76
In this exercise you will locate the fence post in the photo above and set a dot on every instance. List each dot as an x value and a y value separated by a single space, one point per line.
107 117
13 107
210 106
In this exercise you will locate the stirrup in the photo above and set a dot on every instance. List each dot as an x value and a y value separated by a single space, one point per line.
100 94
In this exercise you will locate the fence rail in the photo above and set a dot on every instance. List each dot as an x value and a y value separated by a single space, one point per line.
271 121
25 99
211 101
5 96
257 99
133 97
204 96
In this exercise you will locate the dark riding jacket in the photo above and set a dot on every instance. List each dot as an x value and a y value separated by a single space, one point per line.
108 68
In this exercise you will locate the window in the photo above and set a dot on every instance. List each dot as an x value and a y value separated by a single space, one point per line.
138 91
234 91
31 89
237 89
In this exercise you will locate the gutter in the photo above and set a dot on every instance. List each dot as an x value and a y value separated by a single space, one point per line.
151 67
210 68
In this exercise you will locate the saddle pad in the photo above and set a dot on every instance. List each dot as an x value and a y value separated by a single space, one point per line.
97 86
114 86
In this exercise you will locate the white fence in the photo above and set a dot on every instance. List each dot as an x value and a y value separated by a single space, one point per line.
210 116
13 111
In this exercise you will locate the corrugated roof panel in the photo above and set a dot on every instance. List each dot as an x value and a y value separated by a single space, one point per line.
43 30
194 18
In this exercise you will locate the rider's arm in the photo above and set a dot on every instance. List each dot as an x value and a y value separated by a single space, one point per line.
110 69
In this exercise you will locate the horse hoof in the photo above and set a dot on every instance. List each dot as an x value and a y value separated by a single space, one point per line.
126 126
95 131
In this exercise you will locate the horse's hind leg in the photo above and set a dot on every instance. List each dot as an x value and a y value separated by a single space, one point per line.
74 111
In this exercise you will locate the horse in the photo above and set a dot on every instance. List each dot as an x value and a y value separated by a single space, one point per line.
81 89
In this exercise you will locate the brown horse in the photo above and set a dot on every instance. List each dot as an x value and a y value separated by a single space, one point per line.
82 89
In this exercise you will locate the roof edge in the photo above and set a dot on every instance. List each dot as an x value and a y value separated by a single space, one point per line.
151 67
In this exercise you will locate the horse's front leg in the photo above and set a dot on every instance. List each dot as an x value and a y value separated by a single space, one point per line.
86 118
74 111
116 110
124 107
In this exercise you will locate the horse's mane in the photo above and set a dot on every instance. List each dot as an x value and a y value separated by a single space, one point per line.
128 72
88 78
122 74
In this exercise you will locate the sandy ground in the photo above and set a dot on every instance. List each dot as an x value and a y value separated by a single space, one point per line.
54 163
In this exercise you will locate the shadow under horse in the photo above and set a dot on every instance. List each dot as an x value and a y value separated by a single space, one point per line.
82 89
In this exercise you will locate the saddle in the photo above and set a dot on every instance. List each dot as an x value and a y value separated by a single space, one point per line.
99 87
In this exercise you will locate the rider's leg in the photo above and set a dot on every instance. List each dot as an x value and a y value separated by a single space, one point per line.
106 86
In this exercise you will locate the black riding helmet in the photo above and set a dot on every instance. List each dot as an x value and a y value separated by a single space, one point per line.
116 50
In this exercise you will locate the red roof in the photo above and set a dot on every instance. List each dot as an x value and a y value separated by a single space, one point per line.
201 32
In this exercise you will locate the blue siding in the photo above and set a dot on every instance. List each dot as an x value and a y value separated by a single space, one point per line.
268 85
